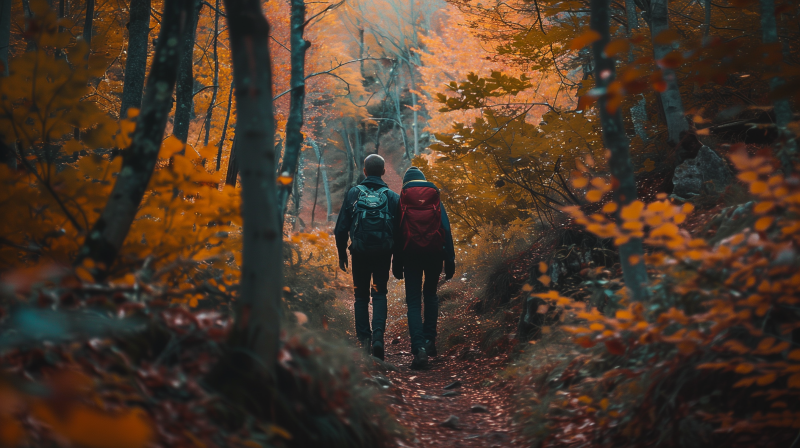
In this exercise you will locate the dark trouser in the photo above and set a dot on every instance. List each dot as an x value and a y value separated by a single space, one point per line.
370 270
414 267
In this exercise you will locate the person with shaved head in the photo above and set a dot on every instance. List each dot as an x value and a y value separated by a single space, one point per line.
369 221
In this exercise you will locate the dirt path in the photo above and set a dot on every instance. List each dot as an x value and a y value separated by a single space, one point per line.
481 402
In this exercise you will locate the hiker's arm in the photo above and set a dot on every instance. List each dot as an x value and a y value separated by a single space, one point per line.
342 230
449 248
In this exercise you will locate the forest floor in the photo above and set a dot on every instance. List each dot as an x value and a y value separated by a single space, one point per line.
460 383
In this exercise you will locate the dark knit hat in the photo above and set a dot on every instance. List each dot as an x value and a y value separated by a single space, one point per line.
413 173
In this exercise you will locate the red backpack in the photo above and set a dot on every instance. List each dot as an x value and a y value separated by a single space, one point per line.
421 220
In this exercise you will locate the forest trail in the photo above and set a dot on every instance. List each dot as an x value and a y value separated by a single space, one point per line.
477 395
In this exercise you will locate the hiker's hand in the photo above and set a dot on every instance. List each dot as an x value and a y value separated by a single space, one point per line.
343 264
449 269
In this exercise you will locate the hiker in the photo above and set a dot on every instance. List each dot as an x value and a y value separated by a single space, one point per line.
368 218
423 243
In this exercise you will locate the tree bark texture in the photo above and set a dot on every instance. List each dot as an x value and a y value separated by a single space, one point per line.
670 98
5 34
225 133
184 90
210 111
87 25
635 275
258 310
136 62
104 241
781 106
639 109
294 124
325 184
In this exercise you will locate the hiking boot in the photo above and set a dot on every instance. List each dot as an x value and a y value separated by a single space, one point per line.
420 361
366 345
430 348
377 349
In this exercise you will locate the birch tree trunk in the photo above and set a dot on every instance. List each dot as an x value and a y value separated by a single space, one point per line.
325 184
136 62
107 235
184 90
414 112
294 124
258 310
635 275
782 107
670 98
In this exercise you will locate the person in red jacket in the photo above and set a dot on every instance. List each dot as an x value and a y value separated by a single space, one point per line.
423 244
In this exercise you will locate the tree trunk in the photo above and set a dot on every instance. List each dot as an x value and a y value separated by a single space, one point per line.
258 310
348 157
414 112
782 107
707 20
325 184
184 90
232 174
87 25
5 34
294 124
358 153
639 109
136 63
107 235
297 192
224 133
635 275
216 79
670 98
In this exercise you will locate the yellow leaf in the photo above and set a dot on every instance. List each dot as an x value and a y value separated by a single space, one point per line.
542 267
594 195
545 279
604 404
764 223
527 288
744 368
611 207
624 315
632 211
585 399
170 147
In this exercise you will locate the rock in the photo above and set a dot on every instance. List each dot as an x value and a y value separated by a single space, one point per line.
452 385
384 366
451 393
452 422
707 172
383 381
429 397
479 408
396 340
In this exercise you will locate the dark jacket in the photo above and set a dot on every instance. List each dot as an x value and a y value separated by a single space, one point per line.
448 251
345 219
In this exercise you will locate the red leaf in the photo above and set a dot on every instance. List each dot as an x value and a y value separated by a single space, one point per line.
615 347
